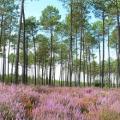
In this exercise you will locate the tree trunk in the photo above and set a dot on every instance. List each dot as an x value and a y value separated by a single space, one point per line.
71 40
80 56
35 81
76 61
8 58
51 57
109 60
103 15
100 62
12 65
118 26
24 48
4 62
18 45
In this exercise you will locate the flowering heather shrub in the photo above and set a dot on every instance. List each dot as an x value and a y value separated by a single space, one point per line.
54 103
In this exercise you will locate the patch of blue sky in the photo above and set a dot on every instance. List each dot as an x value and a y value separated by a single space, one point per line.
36 7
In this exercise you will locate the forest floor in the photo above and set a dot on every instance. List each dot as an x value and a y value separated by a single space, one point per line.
54 103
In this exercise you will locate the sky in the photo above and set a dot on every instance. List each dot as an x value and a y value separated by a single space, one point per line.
35 7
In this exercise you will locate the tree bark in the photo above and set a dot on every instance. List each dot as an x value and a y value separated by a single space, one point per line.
103 15
18 45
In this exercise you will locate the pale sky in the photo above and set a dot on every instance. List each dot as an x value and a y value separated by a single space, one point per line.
35 7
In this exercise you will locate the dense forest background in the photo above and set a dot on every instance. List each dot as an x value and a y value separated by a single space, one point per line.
34 51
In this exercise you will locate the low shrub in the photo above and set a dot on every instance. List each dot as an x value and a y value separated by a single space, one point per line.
6 112
109 115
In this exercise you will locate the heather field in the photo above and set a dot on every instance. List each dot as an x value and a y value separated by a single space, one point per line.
53 103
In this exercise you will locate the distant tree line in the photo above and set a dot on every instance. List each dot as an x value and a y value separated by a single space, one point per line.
76 44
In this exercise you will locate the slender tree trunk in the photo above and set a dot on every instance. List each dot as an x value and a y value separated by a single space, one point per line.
90 66
26 67
80 56
39 71
51 57
87 70
117 65
76 61
54 74
109 74
71 40
35 79
66 72
47 82
24 48
8 58
100 62
84 62
61 68
53 68
118 25
18 45
103 15
4 62
42 74
1 37
94 68
12 66
1 32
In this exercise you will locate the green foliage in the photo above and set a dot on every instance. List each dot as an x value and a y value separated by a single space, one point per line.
7 112
97 83
114 38
43 49
31 25
109 115
84 109
50 17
